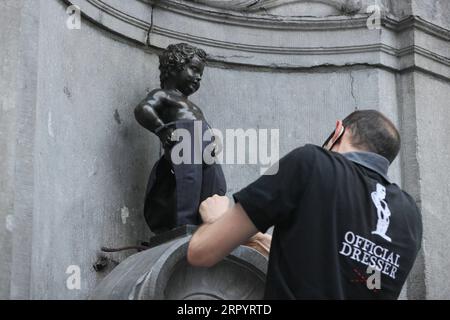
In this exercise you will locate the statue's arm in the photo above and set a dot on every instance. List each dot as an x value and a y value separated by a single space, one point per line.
146 112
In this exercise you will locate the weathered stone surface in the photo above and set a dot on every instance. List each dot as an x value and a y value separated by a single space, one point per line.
9 38
163 273
18 83
433 132
74 162
287 42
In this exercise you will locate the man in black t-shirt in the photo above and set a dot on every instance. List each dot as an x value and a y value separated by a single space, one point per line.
342 230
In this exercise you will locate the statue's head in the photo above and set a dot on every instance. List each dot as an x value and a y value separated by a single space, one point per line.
181 67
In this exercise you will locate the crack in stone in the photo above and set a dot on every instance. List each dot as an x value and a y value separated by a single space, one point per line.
150 29
352 89
229 57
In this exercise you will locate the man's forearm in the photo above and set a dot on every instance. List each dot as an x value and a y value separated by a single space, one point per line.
214 241
198 251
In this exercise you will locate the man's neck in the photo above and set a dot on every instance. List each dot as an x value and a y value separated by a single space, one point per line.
346 148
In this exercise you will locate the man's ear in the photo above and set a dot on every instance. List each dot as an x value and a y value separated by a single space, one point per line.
337 132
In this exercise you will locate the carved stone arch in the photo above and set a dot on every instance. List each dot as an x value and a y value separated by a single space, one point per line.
245 38
289 7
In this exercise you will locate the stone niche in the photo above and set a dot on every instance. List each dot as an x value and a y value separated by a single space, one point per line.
79 170
315 8
312 62
280 34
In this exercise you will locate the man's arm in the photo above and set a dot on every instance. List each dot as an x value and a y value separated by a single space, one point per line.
269 201
215 240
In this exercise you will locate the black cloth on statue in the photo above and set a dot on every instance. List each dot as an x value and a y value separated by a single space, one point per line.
175 191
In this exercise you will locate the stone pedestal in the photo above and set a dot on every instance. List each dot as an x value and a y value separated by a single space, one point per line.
163 273
74 161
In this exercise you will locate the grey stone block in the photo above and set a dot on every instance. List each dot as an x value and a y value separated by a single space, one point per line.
163 273
74 162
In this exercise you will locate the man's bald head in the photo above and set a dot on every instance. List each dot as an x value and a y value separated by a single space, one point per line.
372 131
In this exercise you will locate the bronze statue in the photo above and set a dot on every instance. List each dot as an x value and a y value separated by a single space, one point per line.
175 191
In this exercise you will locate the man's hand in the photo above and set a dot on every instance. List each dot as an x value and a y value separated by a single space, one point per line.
214 241
261 242
213 208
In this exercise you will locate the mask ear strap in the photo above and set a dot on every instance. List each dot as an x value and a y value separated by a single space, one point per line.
337 139
328 141
340 133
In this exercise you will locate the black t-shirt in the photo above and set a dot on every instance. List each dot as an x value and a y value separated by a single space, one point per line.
333 219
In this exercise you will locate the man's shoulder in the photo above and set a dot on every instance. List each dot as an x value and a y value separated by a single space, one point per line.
300 154
306 150
412 215
407 198
314 153
308 158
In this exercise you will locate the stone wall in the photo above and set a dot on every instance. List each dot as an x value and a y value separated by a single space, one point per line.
75 162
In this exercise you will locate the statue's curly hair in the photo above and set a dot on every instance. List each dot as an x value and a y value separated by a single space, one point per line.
175 57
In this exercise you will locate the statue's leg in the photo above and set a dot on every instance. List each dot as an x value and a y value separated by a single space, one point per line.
213 178
188 177
188 187
213 181
159 207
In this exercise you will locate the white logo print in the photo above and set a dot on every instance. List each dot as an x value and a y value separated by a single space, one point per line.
383 212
